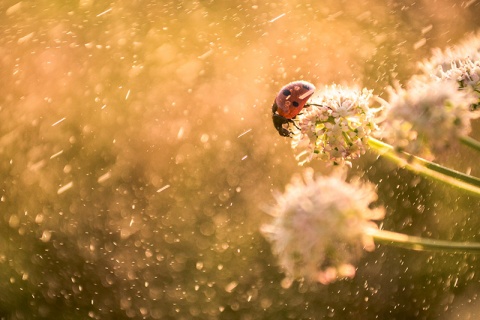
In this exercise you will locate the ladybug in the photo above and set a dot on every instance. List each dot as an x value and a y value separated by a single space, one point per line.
291 99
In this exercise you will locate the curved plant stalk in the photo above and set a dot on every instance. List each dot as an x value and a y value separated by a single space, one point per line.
427 168
421 244
472 143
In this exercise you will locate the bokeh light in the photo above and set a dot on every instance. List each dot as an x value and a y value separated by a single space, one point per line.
137 150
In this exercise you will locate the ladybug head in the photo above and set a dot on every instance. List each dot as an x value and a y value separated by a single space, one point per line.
278 122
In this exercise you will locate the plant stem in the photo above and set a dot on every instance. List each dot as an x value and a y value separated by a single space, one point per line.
472 143
427 168
421 244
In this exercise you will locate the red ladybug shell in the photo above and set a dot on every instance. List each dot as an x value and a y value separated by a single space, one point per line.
292 98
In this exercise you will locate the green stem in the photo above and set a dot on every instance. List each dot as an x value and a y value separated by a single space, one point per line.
421 244
427 168
472 143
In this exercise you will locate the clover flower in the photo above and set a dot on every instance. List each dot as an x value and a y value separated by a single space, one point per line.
460 64
336 126
319 227
427 116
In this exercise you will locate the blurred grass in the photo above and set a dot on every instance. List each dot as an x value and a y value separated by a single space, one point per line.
120 100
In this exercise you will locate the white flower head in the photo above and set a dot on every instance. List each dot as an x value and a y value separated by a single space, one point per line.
442 59
459 64
336 126
427 116
319 227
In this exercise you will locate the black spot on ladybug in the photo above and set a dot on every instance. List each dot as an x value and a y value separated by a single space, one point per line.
288 103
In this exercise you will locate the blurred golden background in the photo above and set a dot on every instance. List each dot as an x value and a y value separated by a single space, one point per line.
137 150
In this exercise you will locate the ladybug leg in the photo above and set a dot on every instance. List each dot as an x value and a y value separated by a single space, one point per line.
294 124
307 105
312 104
